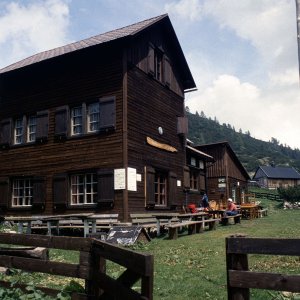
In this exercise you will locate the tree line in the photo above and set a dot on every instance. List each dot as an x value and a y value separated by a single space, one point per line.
251 152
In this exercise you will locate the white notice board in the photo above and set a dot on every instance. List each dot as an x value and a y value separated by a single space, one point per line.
131 179
119 179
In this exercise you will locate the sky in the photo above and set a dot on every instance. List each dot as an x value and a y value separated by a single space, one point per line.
243 54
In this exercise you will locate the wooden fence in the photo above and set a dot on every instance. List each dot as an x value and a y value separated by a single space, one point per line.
240 279
91 266
269 196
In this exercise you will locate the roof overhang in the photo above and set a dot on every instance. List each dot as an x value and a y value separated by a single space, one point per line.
200 154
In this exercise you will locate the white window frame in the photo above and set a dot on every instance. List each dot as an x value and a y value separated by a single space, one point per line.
77 119
31 129
93 117
18 131
84 190
22 192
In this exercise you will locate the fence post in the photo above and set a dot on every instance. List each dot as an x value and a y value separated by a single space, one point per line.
236 262
97 265
147 281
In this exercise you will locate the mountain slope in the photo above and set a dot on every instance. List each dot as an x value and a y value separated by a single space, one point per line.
251 152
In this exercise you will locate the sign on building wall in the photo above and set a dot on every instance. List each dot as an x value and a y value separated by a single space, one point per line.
120 179
131 179
222 182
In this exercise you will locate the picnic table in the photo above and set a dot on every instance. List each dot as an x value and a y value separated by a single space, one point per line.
249 211
54 221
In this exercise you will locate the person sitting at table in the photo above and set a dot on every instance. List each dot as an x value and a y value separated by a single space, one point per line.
192 208
231 208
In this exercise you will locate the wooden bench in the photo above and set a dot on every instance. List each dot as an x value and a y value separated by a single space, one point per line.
147 221
193 226
262 212
236 218
153 220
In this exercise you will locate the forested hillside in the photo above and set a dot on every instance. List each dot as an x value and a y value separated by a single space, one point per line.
251 152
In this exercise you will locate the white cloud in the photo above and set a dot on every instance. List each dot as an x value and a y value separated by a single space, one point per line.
245 106
267 24
286 78
186 9
32 28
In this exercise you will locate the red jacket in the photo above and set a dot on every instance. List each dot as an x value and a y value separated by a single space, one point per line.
231 206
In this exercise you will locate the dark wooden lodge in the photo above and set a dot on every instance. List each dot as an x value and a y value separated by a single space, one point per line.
97 125
226 177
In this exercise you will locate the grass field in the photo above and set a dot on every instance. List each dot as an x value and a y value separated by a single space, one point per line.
193 266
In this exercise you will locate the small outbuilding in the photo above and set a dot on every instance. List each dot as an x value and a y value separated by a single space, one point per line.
226 178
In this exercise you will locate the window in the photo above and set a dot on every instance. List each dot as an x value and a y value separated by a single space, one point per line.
27 129
77 121
194 178
18 131
93 117
31 129
161 188
160 184
158 64
84 189
22 192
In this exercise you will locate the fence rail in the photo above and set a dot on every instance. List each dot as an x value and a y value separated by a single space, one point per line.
269 196
240 279
91 266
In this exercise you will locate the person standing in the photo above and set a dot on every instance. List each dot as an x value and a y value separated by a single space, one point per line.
204 202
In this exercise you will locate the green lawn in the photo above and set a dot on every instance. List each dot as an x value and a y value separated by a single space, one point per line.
193 266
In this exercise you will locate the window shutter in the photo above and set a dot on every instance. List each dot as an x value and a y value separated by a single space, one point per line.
42 126
150 187
202 182
61 122
6 133
4 192
107 113
60 191
39 192
151 59
106 193
186 178
167 71
182 125
172 190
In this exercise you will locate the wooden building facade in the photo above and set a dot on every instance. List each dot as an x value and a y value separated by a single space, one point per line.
96 126
195 176
226 178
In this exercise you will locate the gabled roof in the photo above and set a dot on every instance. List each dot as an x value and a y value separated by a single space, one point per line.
121 33
279 172
230 150
91 41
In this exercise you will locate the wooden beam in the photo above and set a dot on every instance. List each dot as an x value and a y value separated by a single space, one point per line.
261 280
